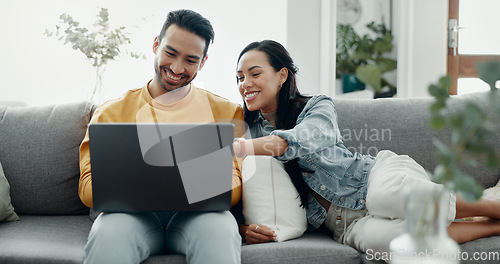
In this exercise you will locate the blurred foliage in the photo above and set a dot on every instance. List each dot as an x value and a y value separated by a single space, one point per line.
470 128
372 51
347 41
365 55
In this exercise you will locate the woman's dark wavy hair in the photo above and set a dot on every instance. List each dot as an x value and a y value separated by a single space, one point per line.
290 103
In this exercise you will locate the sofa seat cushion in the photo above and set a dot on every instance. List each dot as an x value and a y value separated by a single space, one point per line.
39 154
484 250
313 247
44 239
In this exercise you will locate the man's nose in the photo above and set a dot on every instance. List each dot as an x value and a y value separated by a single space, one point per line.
177 67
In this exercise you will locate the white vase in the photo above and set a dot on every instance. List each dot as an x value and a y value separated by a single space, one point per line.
426 239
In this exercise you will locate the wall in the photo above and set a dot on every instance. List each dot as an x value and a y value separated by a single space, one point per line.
311 43
422 45
303 42
40 70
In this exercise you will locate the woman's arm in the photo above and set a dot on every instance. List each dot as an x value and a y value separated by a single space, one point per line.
316 130
267 146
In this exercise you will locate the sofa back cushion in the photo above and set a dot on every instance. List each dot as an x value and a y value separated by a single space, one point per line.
402 125
39 148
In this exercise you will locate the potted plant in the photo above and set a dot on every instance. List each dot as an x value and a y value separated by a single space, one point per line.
371 51
347 41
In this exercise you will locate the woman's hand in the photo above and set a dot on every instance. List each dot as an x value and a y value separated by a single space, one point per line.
271 145
254 234
239 147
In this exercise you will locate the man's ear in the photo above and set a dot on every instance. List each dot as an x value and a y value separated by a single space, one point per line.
203 62
156 43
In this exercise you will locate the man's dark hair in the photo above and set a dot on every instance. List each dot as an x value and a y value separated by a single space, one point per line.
192 22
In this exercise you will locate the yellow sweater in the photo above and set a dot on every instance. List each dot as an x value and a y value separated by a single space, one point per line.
137 106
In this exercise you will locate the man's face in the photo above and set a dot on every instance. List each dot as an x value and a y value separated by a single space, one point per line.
179 57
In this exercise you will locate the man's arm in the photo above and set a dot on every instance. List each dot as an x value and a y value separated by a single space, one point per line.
85 183
239 131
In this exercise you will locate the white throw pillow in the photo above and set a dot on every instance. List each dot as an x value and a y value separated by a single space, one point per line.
270 198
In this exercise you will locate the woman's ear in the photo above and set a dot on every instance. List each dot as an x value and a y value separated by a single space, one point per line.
156 43
283 75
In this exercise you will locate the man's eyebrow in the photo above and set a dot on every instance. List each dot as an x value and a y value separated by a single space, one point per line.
189 56
251 68
170 48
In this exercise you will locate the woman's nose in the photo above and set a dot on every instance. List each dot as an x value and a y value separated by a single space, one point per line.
246 83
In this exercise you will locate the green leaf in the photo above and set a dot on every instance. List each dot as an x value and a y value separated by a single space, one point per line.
437 122
361 56
445 82
387 65
383 45
370 75
434 90
437 106
492 160
467 187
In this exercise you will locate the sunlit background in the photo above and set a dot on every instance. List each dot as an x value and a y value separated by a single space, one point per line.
479 35
38 70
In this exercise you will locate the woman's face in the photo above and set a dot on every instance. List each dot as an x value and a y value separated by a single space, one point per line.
259 84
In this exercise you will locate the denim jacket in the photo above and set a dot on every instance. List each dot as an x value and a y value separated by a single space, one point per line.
328 167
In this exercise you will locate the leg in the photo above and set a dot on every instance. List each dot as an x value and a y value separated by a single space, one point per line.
373 235
389 179
484 207
467 231
204 237
124 238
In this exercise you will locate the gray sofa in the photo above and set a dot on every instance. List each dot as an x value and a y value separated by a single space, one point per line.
39 154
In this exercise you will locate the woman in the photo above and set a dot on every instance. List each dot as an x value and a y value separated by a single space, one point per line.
358 197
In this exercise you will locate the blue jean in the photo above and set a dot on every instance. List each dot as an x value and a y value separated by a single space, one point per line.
204 237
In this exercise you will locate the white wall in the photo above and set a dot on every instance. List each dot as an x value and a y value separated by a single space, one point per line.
303 42
422 45
311 43
40 70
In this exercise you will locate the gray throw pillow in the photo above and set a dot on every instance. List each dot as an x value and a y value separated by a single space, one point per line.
6 209
39 150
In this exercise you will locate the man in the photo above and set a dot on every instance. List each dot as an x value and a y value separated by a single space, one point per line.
204 237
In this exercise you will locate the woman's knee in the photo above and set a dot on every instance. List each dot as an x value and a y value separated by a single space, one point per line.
374 234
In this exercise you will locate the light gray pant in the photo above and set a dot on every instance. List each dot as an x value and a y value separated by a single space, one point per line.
204 237
383 218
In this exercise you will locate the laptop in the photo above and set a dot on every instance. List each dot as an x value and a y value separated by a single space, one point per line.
139 167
